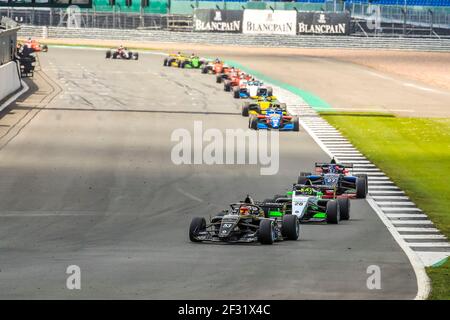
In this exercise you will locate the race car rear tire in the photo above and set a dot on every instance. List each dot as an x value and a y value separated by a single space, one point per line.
361 188
182 64
108 54
245 110
236 94
219 78
305 174
364 176
205 70
197 225
344 208
227 86
44 48
269 91
253 123
296 124
332 212
165 63
290 227
266 232
302 180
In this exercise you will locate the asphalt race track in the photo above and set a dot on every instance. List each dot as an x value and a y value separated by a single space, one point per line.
89 181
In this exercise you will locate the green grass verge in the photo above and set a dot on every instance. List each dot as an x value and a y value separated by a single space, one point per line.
440 279
415 154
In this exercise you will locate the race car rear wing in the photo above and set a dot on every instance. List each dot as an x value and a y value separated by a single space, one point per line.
297 186
326 164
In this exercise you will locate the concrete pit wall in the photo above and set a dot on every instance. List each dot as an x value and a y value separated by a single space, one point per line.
9 81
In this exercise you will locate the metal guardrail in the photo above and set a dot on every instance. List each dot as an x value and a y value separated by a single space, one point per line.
392 20
303 41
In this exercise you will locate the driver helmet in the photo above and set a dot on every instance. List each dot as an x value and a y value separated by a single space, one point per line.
307 190
333 168
244 211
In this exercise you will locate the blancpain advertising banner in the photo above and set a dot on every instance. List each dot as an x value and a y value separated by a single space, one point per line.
270 22
326 23
208 20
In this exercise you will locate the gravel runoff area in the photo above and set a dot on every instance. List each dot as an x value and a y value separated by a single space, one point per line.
405 83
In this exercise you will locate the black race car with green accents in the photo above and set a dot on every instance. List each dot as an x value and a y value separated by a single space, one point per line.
246 222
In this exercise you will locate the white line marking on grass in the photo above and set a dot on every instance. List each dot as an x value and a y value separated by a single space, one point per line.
430 244
423 236
418 230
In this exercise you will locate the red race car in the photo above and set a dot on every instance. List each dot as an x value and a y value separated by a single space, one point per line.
235 80
36 46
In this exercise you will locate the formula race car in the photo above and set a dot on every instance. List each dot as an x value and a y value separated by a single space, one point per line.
260 106
308 204
174 60
35 45
121 53
235 81
274 119
226 73
337 176
246 222
251 89
193 62
215 67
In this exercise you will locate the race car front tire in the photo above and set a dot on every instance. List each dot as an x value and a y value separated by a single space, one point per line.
361 188
236 94
269 91
290 227
197 225
245 110
344 208
219 78
296 124
108 54
136 56
205 70
332 212
266 232
254 123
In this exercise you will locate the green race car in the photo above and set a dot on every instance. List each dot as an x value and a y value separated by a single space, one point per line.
192 63
308 204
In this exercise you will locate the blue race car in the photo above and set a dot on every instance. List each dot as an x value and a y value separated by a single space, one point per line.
274 119
337 176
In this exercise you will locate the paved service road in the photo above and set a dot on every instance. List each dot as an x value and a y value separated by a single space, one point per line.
88 181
